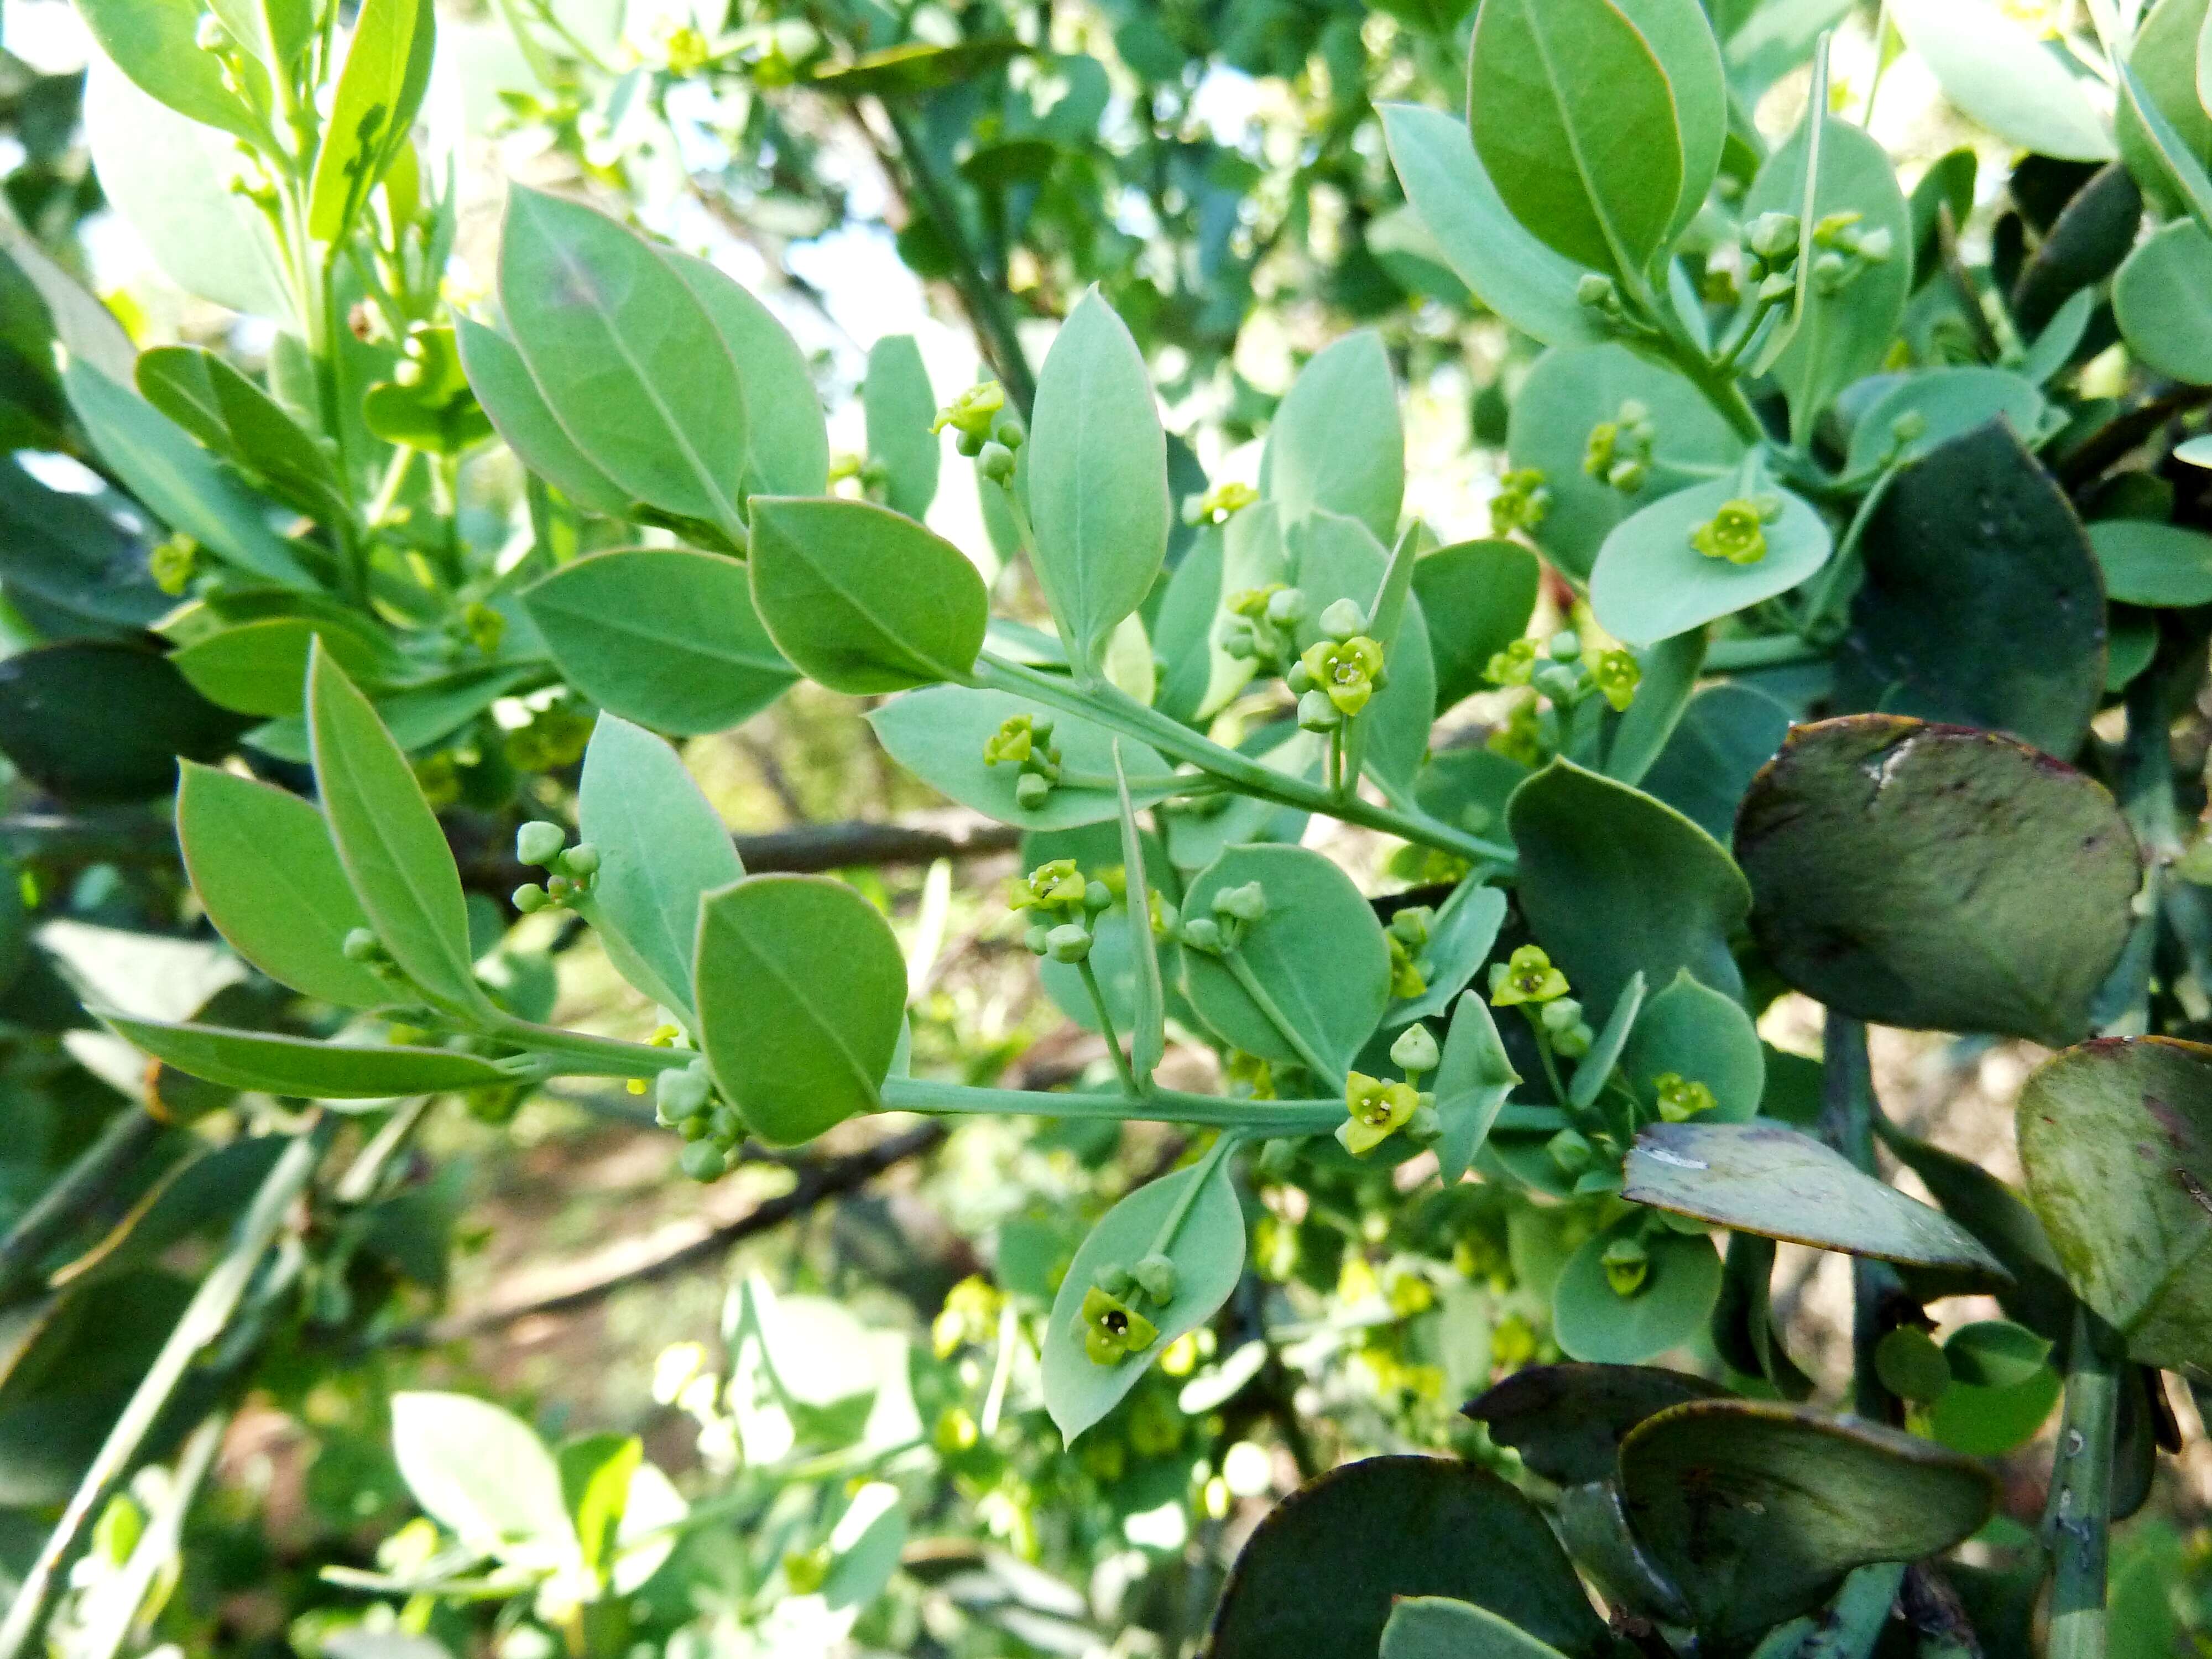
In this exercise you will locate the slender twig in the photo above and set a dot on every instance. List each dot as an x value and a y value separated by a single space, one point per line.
205 1320
1847 1114
2077 1520
96 1176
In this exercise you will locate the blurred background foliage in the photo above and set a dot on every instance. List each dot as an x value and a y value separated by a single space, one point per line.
818 1327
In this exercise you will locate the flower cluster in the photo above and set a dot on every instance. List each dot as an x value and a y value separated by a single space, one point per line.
1619 452
1261 623
1024 741
1114 1325
1062 905
572 870
1235 909
1737 530
1522 502
1219 504
1338 674
1408 936
1681 1099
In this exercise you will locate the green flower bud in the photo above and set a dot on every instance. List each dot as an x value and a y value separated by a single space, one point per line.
1830 271
582 860
560 888
1069 942
210 35
1412 926
677 1095
697 1127
1575 1042
1875 246
1238 639
1628 477
1299 678
1556 681
362 945
1513 666
1036 938
1565 646
1156 1276
539 842
1597 292
1776 288
1031 792
703 1160
1112 1278
996 463
1203 933
1415 1050
1246 903
1342 620
1616 675
1007 430
1571 1151
1317 713
1286 605
973 413
1909 427
1773 237
726 1127
1562 1015
1097 896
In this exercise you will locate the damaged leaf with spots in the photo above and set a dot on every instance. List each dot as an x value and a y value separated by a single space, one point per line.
1936 878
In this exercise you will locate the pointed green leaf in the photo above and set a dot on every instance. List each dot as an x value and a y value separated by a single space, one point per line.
1207 1248
625 356
787 441
1576 125
1097 470
1767 1179
156 43
387 70
665 636
238 421
1473 1080
801 995
178 482
303 1066
1337 443
2116 1140
862 599
1595 1069
261 668
1757 1510
519 412
662 849
1936 878
1527 283
481 1474
1476 597
395 855
1458 943
899 406
263 863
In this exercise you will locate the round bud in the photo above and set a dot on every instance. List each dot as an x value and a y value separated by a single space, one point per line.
1203 933
362 945
1343 619
539 842
1318 713
529 898
679 1094
1112 1278
1156 1274
1575 1043
1875 246
560 888
703 1160
1069 942
1565 646
726 1127
1031 792
996 463
970 444
1246 903
697 1127
1415 1050
1562 1014
1300 679
1285 606
1035 939
1596 292
1556 681
1007 432
582 860
1424 1126
1095 897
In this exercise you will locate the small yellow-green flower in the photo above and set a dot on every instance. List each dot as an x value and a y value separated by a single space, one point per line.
1049 886
1604 444
1223 501
1347 671
1113 1331
972 411
1015 740
1406 977
1626 1265
1251 603
1736 532
1513 666
1378 1110
1520 502
1527 977
1616 675
1680 1099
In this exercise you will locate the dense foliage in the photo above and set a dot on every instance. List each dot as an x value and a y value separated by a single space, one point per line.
1379 1032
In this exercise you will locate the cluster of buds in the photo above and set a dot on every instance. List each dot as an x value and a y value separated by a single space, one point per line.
1219 504
1024 742
1408 936
1737 530
1522 500
874 476
1377 1108
1234 910
1114 1325
1601 294
1619 452
1845 252
983 429
572 868
1262 624
1563 672
1339 673
683 1100
1063 907
172 563
1770 257
1681 1098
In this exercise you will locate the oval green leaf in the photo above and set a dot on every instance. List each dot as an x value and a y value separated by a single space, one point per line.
1592 1321
1936 878
1568 1421
1650 583
2163 299
1693 1030
302 1066
2153 564
864 600
899 406
939 734
801 993
1337 443
1208 1253
518 413
2011 83
663 636
1436 1627
263 863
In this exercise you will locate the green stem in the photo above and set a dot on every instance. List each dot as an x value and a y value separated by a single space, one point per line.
1847 1115
1763 651
1130 1086
1261 1118
1105 706
204 1321
103 1167
1846 559
2077 1520
1248 981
